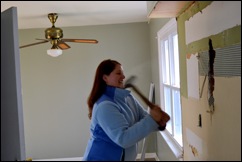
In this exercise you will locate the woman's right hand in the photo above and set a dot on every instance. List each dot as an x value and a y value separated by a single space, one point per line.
159 116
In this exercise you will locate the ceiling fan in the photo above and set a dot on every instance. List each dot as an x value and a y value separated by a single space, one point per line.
54 35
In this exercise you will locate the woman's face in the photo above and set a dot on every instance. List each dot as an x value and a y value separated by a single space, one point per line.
115 78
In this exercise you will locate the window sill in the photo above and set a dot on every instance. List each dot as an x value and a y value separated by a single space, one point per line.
174 146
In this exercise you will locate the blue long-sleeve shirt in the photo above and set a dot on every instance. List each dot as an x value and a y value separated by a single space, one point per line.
120 121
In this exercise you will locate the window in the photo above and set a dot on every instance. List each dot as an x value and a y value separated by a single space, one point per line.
170 79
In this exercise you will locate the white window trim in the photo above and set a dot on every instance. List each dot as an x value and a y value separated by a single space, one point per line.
173 145
171 142
170 26
167 28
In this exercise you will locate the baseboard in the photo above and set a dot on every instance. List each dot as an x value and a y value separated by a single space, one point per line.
148 155
59 159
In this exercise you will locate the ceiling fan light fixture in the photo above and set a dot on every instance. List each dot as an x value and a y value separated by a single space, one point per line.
54 35
54 52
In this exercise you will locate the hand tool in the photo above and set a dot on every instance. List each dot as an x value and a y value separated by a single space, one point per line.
129 84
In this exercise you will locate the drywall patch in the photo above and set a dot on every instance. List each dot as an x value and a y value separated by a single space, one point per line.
208 22
192 76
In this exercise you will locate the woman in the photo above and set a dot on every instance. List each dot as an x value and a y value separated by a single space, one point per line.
118 121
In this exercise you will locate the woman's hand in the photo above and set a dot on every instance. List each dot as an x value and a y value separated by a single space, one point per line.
159 116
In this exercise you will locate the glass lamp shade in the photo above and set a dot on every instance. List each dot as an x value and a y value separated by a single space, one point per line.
54 52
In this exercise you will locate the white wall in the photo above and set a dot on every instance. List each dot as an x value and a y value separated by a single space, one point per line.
55 90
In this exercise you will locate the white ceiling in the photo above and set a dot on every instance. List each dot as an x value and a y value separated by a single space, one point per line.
33 14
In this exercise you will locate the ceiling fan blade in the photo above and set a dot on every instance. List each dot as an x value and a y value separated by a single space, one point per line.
81 40
42 39
62 45
32 44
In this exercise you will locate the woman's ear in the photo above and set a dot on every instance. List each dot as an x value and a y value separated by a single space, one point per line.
105 78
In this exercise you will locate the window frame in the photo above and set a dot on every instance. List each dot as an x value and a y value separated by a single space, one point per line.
168 30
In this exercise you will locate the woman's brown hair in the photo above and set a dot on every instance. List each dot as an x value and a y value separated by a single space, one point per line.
99 85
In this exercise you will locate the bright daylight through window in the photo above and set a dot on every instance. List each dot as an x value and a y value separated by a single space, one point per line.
170 81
